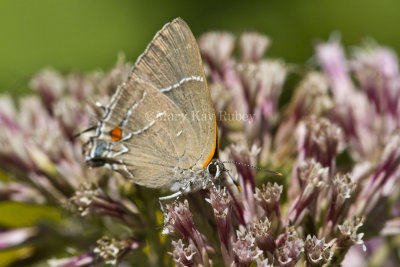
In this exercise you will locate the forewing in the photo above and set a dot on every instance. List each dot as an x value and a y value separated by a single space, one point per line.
172 64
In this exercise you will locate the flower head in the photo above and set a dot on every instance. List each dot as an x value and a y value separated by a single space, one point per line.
178 220
183 256
269 196
348 231
111 250
333 61
253 46
245 248
217 48
289 252
261 230
220 202
317 251
319 139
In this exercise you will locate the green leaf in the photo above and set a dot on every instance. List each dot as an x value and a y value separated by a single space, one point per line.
9 256
16 214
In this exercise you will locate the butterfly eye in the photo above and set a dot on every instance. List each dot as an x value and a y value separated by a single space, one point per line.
213 169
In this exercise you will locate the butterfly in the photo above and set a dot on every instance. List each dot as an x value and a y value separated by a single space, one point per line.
160 129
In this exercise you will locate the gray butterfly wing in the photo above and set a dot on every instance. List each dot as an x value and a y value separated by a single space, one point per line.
172 64
164 113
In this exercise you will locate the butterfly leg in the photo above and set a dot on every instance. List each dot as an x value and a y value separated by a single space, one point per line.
174 195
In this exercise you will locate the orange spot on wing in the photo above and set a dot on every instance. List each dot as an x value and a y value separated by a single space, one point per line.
116 134
215 147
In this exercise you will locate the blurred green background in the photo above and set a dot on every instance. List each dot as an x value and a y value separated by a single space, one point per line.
83 35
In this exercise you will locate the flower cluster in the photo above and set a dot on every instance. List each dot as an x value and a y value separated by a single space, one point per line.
336 141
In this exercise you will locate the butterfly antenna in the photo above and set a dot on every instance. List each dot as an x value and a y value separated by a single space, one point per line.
254 167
